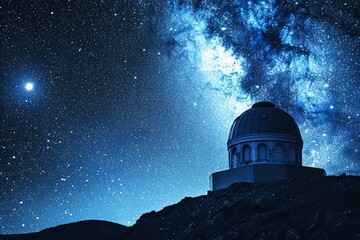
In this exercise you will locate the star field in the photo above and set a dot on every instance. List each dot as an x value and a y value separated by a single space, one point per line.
110 109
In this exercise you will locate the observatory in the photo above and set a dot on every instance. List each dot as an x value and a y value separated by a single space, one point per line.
264 145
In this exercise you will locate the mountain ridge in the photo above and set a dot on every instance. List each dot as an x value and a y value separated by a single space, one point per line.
314 208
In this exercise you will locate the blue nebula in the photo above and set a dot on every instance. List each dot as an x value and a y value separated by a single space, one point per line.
283 51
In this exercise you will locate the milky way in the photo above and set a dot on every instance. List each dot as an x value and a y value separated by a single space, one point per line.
301 55
130 102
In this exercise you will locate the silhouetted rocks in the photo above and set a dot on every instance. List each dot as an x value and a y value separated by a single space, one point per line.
322 208
89 229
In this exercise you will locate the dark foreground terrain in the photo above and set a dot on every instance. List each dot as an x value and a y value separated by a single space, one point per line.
326 208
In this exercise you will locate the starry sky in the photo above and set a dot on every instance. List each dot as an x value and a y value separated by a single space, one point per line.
109 109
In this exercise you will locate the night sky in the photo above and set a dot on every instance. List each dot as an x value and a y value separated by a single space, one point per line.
109 109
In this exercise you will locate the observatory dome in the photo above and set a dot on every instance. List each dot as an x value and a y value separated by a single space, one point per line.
264 145
264 118
264 134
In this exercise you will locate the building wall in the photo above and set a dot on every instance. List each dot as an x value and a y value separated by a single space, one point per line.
261 172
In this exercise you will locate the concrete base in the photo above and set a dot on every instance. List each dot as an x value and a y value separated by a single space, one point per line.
255 173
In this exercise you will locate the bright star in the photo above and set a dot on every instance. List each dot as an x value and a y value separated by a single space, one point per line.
29 86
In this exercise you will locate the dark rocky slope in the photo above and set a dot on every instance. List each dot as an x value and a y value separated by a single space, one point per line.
89 230
326 208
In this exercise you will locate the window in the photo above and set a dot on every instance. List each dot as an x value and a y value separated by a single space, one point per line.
246 154
279 153
234 158
292 154
262 153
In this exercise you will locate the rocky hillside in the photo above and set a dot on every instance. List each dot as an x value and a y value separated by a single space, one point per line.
326 208
89 230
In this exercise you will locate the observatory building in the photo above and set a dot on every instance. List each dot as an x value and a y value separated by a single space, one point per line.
264 145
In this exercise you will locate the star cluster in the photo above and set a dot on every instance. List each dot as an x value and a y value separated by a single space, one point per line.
109 109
